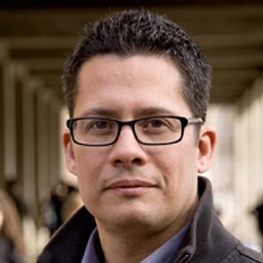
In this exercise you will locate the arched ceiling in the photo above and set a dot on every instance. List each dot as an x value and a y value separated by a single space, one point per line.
41 34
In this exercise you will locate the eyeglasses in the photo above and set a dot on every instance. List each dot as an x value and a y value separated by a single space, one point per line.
157 130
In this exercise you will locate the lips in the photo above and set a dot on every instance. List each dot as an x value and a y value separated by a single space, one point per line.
130 184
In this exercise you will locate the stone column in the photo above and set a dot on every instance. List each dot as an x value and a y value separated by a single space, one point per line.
3 57
9 120
248 152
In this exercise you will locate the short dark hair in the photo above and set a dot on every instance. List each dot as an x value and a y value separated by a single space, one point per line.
131 32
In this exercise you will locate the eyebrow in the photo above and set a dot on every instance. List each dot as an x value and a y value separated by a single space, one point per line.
103 112
140 112
150 111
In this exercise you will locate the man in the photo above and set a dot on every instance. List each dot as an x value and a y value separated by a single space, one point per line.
137 89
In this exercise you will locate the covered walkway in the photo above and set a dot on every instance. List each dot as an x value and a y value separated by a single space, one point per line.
34 41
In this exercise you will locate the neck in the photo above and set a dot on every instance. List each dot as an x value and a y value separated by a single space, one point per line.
131 244
133 239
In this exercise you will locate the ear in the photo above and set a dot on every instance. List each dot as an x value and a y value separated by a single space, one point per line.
69 153
206 148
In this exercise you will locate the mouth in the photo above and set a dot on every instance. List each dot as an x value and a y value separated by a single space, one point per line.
130 187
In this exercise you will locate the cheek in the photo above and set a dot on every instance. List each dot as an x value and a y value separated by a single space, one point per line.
88 171
178 169
181 183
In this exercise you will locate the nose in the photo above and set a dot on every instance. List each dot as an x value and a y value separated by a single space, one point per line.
127 150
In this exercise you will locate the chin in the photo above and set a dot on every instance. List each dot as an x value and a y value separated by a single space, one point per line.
132 218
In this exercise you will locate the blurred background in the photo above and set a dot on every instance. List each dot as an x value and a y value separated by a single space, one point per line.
35 39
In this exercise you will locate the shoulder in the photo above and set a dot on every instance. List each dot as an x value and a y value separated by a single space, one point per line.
249 255
242 254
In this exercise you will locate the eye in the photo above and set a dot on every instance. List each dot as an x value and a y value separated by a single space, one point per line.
152 124
160 124
100 124
156 123
95 126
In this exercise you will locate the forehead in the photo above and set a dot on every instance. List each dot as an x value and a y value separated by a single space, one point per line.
111 81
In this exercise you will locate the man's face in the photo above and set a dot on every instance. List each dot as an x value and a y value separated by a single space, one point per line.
130 184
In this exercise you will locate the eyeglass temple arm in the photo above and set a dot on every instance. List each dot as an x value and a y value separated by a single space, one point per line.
195 120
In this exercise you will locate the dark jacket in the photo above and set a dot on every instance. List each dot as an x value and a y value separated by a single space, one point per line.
205 242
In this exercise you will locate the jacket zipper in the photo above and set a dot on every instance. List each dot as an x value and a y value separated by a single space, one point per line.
183 259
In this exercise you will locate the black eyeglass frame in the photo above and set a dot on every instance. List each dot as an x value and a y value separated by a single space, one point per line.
184 122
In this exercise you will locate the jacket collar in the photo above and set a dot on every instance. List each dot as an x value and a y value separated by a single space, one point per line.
68 244
206 239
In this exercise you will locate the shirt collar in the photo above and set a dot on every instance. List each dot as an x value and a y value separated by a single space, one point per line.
168 251
91 254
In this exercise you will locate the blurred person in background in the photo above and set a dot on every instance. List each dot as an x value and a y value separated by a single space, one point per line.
64 200
258 212
12 247
71 204
15 190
